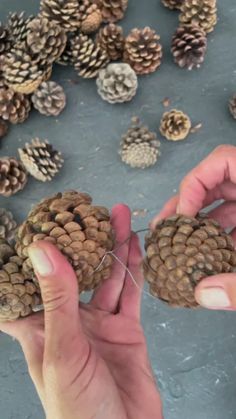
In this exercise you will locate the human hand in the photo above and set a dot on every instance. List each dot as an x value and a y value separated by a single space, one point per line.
212 180
89 361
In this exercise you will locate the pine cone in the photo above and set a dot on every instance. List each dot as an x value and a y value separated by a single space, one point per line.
91 17
232 106
180 252
89 58
18 295
67 57
3 127
173 4
41 160
79 229
112 10
14 107
46 39
189 46
13 176
139 146
143 50
199 12
65 13
17 26
111 39
117 83
49 99
175 125
5 43
7 226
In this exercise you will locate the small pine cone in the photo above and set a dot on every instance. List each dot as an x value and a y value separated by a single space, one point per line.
13 176
41 160
175 125
3 128
91 17
14 107
189 46
117 83
89 58
199 12
7 226
111 39
79 229
19 296
65 13
180 252
143 50
5 44
232 106
112 10
17 26
49 99
173 4
139 146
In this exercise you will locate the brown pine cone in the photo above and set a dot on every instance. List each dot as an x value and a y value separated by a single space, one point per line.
173 4
180 252
65 13
91 17
232 106
49 99
111 39
112 10
13 176
14 107
81 231
88 57
41 160
189 46
67 57
3 128
143 51
199 12
175 125
5 43
17 26
7 226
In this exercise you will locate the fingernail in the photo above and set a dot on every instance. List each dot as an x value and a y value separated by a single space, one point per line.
177 209
40 261
213 298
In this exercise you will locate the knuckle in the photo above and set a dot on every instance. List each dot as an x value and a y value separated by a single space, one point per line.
224 149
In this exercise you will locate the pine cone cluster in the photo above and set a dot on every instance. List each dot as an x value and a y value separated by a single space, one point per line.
180 252
175 125
49 99
143 50
79 229
7 226
189 46
89 58
111 39
112 10
173 4
41 160
232 106
14 107
13 176
199 12
117 83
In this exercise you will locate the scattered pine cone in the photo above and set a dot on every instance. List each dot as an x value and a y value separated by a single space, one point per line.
180 252
91 17
13 176
232 106
89 58
65 13
175 125
117 83
173 4
139 146
14 107
189 46
81 231
41 160
3 127
7 226
199 12
17 26
49 99
111 39
5 43
143 50
112 10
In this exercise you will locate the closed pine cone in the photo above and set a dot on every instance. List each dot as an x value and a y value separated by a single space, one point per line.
112 10
173 4
143 50
65 13
7 226
49 99
82 232
41 160
199 12
5 43
91 16
232 106
140 147
111 39
17 26
180 252
18 294
14 107
13 176
89 58
189 46
175 125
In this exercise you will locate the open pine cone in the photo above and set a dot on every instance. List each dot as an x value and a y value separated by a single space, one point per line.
65 13
112 10
17 26
173 4
13 176
81 231
180 252
14 107
199 12
111 39
175 125
49 99
7 226
89 58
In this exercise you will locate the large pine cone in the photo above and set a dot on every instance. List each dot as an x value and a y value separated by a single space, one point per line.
49 99
65 13
82 232
189 46
112 10
173 4
199 12
180 252
175 125
143 50
89 58
232 106
17 26
7 226
91 16
14 107
111 39
13 176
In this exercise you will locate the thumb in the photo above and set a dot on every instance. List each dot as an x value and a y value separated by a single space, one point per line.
217 292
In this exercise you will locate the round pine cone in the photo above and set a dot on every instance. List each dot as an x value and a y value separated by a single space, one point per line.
139 146
199 12
14 107
117 83
88 57
5 43
17 26
175 125
13 176
180 252
143 51
41 160
111 39
65 13
91 17
232 106
49 99
112 10
189 46
82 232
3 128
173 4
7 226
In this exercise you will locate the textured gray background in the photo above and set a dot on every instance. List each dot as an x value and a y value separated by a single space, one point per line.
192 352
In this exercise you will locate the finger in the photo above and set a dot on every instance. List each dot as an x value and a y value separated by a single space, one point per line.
107 296
225 214
217 292
168 210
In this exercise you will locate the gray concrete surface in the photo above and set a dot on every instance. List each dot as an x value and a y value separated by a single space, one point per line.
192 352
